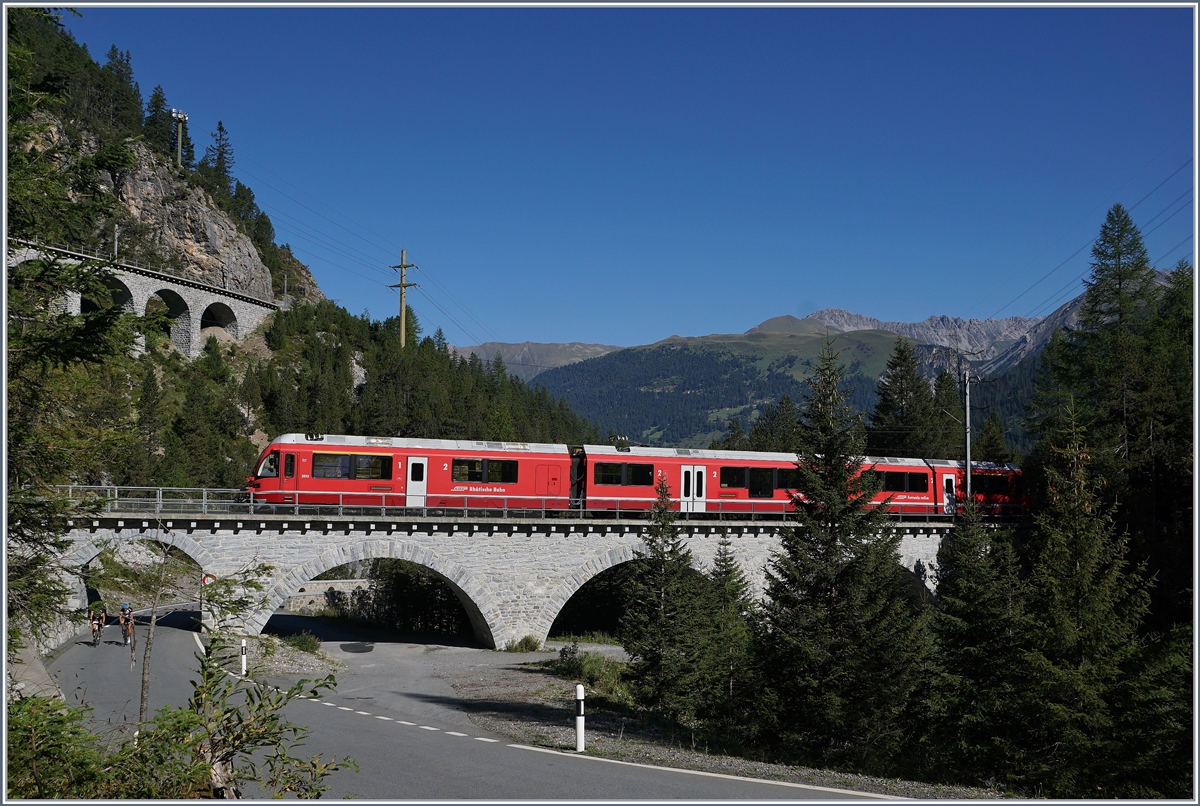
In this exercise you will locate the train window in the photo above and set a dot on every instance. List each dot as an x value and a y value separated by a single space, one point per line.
733 477
289 466
608 473
467 470
375 466
789 479
893 482
331 465
269 468
918 482
418 471
502 470
989 485
761 482
639 475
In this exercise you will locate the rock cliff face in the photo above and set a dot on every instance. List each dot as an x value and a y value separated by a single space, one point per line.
985 337
183 220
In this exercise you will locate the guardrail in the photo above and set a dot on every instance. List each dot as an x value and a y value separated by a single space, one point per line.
209 501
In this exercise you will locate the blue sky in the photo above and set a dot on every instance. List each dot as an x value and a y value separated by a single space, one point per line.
621 175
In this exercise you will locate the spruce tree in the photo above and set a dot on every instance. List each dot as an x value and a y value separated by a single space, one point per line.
992 446
668 621
902 420
974 730
730 670
158 126
948 439
841 642
1087 607
777 430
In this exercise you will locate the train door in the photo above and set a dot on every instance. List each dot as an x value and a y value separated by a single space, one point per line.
950 501
691 488
417 480
288 480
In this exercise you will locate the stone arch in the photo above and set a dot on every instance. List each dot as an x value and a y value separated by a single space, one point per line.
476 599
181 318
84 551
220 315
122 297
575 580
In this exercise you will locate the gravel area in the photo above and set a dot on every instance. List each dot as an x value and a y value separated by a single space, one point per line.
525 702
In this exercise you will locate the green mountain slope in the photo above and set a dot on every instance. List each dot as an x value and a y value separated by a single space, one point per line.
683 391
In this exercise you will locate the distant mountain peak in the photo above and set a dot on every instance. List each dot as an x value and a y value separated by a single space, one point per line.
791 325
983 339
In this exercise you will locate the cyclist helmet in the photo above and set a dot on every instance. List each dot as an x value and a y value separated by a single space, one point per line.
124 605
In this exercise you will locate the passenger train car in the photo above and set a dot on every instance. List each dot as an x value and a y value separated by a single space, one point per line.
319 469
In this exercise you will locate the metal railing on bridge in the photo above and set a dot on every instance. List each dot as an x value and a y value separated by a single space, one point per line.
168 501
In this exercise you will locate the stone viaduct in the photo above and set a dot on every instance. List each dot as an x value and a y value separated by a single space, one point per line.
191 305
513 576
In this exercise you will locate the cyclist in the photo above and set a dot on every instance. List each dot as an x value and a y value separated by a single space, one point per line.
97 616
125 620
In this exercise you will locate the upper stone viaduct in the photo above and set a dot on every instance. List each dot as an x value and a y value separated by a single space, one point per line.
191 305
512 576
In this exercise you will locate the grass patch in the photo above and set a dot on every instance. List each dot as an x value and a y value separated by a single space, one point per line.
526 644
589 638
604 676
305 642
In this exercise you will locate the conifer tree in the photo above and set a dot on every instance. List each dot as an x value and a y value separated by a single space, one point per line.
902 421
1087 607
778 429
730 672
992 446
974 730
735 438
158 126
841 642
948 438
668 621
216 167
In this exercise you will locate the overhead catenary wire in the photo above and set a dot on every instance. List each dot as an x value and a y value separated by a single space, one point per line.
1063 263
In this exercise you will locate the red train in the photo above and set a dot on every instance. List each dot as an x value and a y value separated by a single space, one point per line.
353 471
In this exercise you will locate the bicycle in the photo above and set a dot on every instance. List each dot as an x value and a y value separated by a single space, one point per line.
97 631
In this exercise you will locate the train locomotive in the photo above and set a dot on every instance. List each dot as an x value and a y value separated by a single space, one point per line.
476 477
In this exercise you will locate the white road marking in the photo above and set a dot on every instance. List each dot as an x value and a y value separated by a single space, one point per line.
364 713
402 722
566 754
330 704
388 718
454 733
344 708
485 739
426 727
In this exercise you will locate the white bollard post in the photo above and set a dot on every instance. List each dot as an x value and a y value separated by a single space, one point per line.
579 718
243 657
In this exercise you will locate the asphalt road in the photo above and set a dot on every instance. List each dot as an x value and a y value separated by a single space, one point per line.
403 726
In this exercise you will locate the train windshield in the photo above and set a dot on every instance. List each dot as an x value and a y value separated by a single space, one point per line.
270 466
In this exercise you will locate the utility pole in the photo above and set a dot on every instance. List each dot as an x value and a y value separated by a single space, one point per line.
116 238
403 286
967 424
180 117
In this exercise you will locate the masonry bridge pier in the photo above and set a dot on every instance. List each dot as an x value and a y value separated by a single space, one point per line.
512 575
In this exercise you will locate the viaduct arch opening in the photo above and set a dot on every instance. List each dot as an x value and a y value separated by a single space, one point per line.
120 297
178 312
218 314
479 613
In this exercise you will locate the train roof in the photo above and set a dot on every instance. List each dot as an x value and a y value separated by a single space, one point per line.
602 450
318 440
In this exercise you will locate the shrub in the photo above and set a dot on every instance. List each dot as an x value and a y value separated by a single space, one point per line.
305 642
526 644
